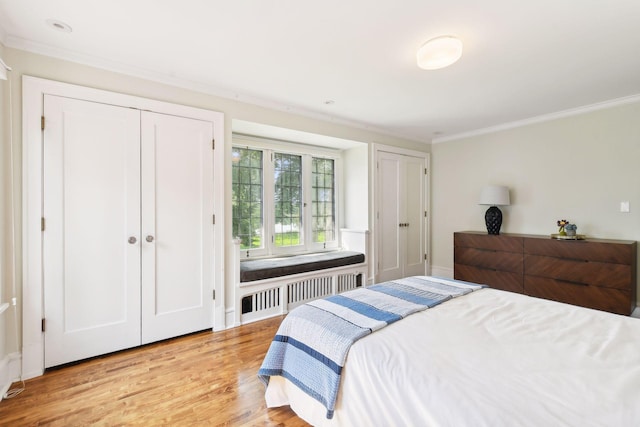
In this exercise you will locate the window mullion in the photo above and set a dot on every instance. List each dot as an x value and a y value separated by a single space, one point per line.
306 207
268 203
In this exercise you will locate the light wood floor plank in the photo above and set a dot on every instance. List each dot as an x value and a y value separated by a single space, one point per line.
201 379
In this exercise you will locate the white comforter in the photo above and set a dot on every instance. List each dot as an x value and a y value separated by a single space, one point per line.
490 358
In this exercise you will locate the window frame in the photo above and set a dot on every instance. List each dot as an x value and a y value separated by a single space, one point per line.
308 152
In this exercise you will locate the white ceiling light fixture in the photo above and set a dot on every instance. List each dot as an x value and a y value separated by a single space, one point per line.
439 52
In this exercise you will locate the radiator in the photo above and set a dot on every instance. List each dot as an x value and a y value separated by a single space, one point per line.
346 282
263 302
268 302
307 290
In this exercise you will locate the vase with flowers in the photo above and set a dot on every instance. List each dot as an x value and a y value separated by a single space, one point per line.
562 223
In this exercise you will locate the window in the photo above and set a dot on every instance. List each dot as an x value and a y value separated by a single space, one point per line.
247 197
287 170
323 210
283 201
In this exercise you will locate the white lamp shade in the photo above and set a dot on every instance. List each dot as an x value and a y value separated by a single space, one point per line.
439 52
494 195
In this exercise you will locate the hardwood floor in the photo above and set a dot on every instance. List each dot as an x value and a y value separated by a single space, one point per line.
201 379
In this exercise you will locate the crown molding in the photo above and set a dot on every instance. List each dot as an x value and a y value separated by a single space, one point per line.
113 66
542 118
3 35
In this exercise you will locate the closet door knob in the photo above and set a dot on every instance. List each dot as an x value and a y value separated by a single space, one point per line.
149 238
132 240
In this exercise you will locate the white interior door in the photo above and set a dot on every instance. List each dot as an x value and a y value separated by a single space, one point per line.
389 216
177 230
401 224
414 214
91 206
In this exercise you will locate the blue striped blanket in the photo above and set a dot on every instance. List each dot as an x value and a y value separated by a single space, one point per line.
312 343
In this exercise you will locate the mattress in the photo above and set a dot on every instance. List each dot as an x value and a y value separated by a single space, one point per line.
490 358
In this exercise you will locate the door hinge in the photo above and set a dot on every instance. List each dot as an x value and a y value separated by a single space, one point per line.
42 224
214 294
43 325
425 214
425 257
42 122
214 219
425 171
213 144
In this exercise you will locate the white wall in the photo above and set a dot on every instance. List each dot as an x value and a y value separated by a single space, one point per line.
577 168
25 63
5 203
355 175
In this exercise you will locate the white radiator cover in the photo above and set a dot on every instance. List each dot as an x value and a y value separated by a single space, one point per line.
283 297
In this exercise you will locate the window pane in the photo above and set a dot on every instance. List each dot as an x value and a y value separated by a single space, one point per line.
323 191
247 197
288 196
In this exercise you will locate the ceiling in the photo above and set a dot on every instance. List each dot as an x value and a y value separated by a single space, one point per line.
353 61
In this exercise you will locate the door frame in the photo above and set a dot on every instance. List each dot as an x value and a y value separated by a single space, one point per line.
375 150
33 91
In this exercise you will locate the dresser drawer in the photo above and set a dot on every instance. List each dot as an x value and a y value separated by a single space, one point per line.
616 276
586 250
487 241
599 298
503 280
489 259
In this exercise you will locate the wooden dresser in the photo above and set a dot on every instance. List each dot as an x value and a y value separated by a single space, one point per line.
592 273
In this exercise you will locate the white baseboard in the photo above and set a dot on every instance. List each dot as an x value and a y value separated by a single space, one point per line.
636 312
230 318
445 272
10 368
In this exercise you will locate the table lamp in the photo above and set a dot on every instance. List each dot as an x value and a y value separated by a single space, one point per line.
494 196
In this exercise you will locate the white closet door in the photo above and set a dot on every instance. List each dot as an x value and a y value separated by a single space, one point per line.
389 216
414 231
91 206
400 218
177 230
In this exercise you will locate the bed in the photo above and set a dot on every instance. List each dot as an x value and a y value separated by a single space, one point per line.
486 358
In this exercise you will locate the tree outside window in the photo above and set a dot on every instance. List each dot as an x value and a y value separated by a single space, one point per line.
247 197
322 200
287 170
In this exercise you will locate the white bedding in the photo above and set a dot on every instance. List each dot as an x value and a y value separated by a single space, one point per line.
490 358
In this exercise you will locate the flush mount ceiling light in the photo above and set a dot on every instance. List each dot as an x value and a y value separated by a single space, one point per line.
58 25
439 52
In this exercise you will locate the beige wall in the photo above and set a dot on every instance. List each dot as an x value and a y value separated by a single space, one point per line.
5 273
25 63
577 168
355 178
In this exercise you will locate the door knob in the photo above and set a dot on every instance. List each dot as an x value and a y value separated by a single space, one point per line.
149 239
132 240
